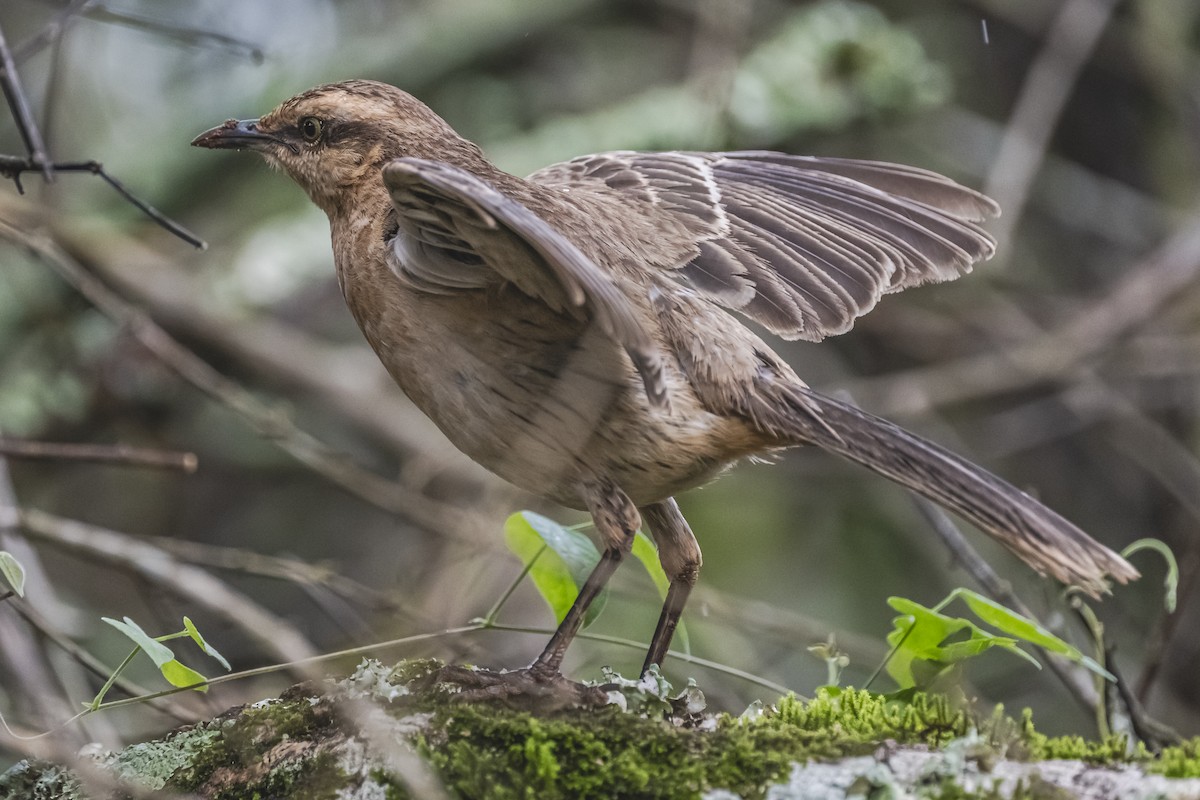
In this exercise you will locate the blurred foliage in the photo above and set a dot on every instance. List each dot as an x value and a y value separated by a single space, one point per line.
793 550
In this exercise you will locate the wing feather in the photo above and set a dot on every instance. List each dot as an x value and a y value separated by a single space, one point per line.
457 231
801 244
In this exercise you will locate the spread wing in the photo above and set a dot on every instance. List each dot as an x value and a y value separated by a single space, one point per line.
457 231
802 245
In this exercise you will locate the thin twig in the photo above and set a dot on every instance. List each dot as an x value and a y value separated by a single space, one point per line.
299 572
193 37
272 423
1167 626
98 12
39 687
686 658
1075 679
12 167
51 32
784 625
346 379
272 633
31 135
1151 731
43 626
101 453
1053 355
1069 44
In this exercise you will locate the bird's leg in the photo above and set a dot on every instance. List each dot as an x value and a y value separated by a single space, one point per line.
680 556
616 519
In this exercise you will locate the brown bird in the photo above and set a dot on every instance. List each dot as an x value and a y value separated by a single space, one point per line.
573 331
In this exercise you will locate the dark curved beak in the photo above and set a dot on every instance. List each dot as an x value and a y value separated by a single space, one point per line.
235 134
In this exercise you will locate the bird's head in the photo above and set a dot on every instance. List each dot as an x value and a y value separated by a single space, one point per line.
334 139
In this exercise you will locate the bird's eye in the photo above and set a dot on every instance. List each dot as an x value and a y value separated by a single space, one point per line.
311 129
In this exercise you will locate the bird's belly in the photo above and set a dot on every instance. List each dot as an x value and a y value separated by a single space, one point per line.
554 447
549 414
663 454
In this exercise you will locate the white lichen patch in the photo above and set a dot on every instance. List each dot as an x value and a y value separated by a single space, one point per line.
651 694
372 679
912 773
152 763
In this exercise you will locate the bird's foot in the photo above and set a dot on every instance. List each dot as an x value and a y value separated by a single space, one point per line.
528 689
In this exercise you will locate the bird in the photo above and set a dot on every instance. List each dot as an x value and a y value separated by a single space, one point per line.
582 334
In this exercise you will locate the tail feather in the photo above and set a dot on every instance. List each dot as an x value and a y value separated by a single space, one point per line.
1039 536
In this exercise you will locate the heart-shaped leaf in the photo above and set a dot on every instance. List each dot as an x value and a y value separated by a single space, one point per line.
172 670
13 572
558 559
205 646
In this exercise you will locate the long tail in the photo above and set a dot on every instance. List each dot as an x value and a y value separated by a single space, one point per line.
1039 536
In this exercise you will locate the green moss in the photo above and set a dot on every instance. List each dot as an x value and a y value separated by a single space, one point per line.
291 747
1181 761
490 752
266 751
391 790
496 752
1177 761
861 717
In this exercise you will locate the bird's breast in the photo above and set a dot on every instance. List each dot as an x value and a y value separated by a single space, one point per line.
541 399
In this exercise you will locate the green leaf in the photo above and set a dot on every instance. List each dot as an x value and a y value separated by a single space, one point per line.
978 643
182 676
159 653
205 646
1025 629
13 572
921 634
174 672
645 552
559 561
1011 622
927 630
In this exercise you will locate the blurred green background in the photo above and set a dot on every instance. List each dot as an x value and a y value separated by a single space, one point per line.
1068 364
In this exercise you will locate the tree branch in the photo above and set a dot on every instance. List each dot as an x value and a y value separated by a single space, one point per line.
100 453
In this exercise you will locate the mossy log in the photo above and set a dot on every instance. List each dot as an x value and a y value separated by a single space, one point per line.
417 731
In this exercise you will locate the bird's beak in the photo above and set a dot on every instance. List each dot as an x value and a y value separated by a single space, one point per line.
235 134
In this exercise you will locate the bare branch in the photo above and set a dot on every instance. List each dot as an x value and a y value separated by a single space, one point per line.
1055 354
347 379
31 135
1068 46
39 687
1149 730
193 37
43 626
274 634
101 453
99 12
293 570
51 32
12 167
272 423
1075 679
